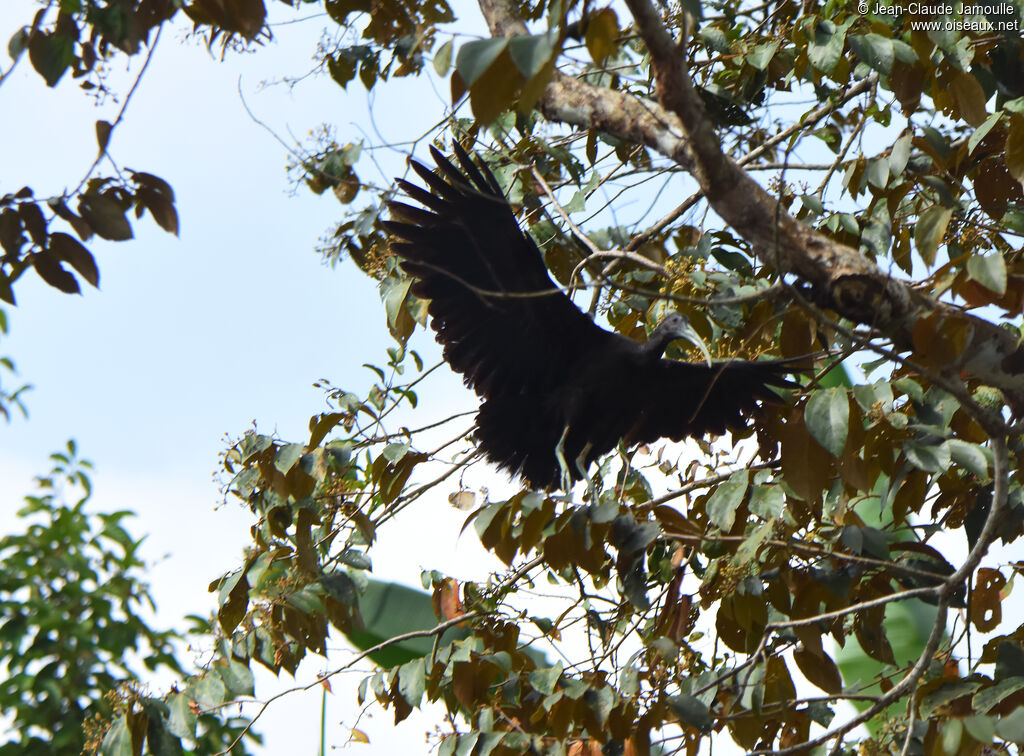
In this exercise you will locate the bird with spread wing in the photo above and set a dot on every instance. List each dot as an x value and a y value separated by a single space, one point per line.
554 384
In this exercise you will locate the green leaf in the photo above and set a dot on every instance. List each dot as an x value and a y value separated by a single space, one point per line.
500 659
181 721
237 677
447 747
209 691
900 155
159 740
933 458
356 559
340 587
18 43
1011 727
875 50
826 45
747 550
118 740
762 55
531 52
929 230
488 742
466 743
394 306
828 419
723 503
412 680
947 693
767 501
981 131
980 727
630 536
878 393
878 172
476 57
604 510
813 203
715 39
287 456
989 271
233 598
691 711
443 58
388 610
1009 660
820 713
629 682
600 701
544 678
394 453
910 387
1014 221
305 601
904 52
952 734
968 456
985 699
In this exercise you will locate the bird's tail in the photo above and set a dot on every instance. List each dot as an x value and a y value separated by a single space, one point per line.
513 434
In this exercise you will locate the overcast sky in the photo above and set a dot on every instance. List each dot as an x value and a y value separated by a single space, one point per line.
189 340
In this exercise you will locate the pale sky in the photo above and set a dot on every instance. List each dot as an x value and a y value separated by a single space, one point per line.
190 339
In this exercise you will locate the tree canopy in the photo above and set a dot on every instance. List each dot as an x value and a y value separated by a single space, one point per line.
837 179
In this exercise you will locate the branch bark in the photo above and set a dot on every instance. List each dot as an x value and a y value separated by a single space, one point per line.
840 278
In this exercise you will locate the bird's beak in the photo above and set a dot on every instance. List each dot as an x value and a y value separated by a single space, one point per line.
686 331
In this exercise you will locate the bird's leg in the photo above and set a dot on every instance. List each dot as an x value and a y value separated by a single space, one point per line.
562 464
627 459
581 465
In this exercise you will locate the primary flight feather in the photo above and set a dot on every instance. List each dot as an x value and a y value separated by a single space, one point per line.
550 378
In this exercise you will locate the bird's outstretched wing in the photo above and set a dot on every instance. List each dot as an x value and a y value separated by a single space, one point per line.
685 399
503 323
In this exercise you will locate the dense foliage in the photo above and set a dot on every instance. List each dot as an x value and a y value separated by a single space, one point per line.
846 550
75 639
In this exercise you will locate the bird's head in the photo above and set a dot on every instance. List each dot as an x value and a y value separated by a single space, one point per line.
675 326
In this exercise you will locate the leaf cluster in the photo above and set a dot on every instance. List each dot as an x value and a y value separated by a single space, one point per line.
74 639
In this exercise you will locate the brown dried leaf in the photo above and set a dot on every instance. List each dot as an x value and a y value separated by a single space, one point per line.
820 670
602 34
71 251
1015 148
50 270
986 600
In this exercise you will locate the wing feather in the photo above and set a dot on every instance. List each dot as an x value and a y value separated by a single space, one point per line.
684 399
503 323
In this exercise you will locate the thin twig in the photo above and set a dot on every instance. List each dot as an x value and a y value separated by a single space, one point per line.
124 108
359 657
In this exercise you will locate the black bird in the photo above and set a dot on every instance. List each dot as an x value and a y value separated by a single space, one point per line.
554 384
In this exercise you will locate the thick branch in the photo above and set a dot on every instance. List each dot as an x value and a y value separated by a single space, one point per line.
840 277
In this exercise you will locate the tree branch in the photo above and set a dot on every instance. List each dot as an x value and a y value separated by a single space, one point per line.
842 279
440 628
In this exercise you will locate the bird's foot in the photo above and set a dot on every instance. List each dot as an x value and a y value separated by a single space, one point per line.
563 465
581 465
